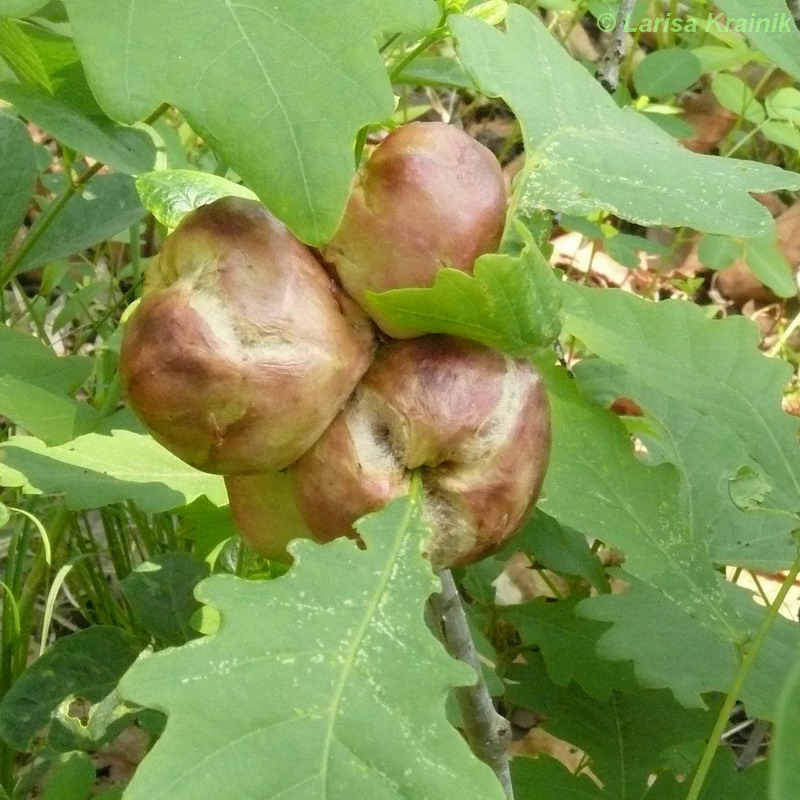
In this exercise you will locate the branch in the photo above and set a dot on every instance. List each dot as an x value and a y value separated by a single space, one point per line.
608 68
487 732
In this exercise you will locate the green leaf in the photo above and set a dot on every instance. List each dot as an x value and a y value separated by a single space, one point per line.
171 194
160 594
715 58
436 71
206 525
559 548
36 387
669 649
724 780
90 473
121 147
307 707
784 104
707 454
627 505
71 778
21 56
86 664
30 360
627 249
545 778
784 779
780 39
712 367
578 142
106 206
567 643
624 736
666 72
718 252
53 417
18 168
510 303
288 132
20 8
735 95
782 133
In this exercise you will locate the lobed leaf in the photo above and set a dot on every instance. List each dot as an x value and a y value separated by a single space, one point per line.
313 663
96 470
708 456
580 156
596 485
511 303
708 370
669 649
624 736
288 132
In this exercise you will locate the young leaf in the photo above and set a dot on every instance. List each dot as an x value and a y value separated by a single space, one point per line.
86 664
623 736
669 649
780 40
578 142
596 484
785 751
171 194
21 56
90 473
108 205
160 594
288 132
121 147
313 663
510 303
18 168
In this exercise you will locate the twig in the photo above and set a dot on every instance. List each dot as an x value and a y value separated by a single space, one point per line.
608 68
754 744
487 732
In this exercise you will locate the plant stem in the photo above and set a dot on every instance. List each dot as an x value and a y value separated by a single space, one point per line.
487 732
751 651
